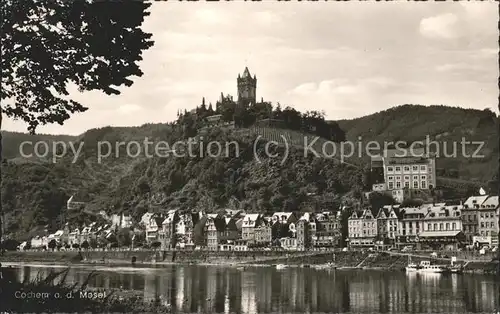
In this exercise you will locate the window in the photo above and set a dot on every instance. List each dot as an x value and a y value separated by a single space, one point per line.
398 169
406 168
415 184
423 168
398 185
435 227
390 169
454 226
447 226
390 178
407 177
391 185
423 184
398 178
423 177
415 168
407 184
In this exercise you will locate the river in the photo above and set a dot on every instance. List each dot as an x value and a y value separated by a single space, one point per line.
205 289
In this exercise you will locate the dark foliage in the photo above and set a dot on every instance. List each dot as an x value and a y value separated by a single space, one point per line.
70 300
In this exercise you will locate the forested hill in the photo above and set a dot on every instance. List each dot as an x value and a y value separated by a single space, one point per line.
443 124
11 142
35 194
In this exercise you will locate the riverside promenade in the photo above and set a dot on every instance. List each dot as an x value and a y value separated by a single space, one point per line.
339 259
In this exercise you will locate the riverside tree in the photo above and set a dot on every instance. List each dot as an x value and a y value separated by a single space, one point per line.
46 46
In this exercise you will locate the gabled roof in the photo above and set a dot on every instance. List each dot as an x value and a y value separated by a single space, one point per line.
490 202
367 212
309 217
322 217
281 214
382 213
170 217
250 220
447 211
475 200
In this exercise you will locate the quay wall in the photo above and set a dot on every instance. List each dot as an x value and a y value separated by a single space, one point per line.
353 259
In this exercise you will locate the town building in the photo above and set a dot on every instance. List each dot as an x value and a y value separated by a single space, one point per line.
362 228
263 233
145 219
185 230
404 173
328 229
305 230
470 216
153 228
39 242
488 221
214 228
121 221
387 224
168 236
411 224
281 224
250 222
442 228
74 237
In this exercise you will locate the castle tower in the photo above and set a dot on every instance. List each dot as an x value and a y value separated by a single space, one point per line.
247 88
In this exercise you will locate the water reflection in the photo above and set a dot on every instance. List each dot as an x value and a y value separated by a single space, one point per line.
265 290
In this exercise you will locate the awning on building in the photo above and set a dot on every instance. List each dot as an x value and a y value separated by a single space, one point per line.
433 234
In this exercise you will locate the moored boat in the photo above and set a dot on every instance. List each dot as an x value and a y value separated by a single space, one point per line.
411 267
425 267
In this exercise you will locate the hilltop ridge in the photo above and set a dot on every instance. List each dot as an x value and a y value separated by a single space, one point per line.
34 194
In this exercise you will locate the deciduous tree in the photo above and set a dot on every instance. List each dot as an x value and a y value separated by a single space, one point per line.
46 46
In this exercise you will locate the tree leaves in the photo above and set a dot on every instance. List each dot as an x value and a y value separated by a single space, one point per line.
48 45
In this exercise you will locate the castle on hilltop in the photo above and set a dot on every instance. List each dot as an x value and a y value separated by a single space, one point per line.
247 92
229 112
247 88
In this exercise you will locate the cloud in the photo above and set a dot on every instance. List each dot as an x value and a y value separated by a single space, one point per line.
210 16
449 67
348 60
129 108
267 18
441 26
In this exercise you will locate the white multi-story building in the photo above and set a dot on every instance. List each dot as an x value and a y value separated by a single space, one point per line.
401 171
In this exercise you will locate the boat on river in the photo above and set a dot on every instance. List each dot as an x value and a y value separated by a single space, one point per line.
425 267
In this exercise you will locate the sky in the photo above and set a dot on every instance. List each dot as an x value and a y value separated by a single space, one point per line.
348 59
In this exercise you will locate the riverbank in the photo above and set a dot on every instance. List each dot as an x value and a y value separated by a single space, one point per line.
339 260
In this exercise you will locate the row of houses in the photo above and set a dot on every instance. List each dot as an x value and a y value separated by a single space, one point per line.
71 237
433 226
236 230
474 221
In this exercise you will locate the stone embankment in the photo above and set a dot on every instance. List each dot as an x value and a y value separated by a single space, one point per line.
360 260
